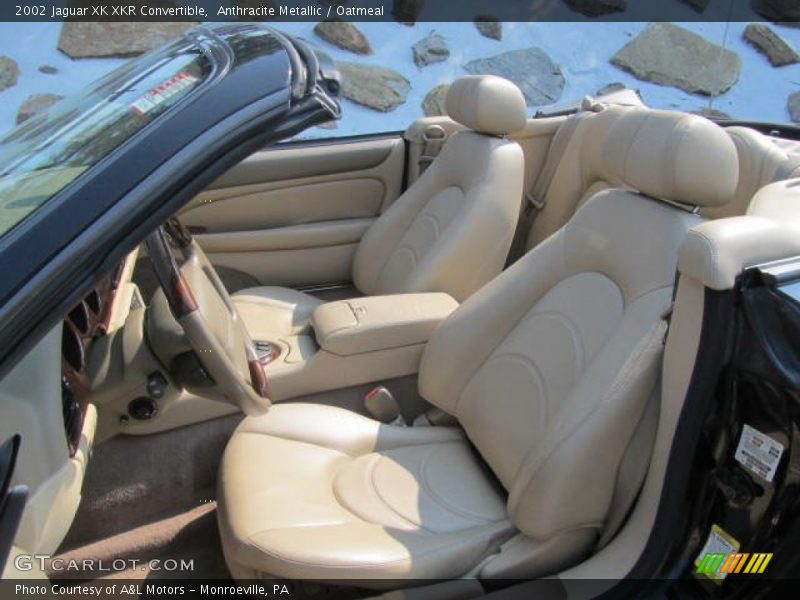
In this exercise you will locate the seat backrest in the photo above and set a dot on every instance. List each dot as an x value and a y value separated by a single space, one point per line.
578 176
548 368
451 230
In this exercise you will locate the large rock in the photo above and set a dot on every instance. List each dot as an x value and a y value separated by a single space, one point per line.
595 8
610 88
430 49
671 55
374 87
36 104
9 71
116 39
407 11
780 11
433 105
794 107
345 35
711 113
770 44
539 78
489 27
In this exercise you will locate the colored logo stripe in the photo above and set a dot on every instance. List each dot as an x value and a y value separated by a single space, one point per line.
735 562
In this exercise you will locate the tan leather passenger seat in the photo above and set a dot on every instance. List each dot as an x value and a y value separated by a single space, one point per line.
548 369
449 232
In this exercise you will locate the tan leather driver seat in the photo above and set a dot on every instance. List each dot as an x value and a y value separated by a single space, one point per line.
548 370
449 232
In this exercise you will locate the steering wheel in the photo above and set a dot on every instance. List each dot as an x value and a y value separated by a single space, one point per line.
218 354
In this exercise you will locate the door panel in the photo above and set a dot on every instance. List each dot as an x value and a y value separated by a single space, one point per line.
294 215
311 266
267 206
293 237
318 252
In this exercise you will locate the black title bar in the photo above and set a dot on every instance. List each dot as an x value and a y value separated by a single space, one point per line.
406 11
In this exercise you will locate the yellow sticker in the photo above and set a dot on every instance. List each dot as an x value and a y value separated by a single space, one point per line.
720 549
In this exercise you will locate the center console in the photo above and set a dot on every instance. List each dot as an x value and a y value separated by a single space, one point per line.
357 341
348 343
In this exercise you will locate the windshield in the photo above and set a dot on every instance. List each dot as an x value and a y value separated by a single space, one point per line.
53 149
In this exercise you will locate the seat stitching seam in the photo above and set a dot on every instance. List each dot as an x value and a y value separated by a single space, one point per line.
630 147
510 329
711 248
442 502
371 473
410 225
647 293
620 382
684 124
528 361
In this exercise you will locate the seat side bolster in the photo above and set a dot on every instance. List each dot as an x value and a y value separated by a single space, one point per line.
567 487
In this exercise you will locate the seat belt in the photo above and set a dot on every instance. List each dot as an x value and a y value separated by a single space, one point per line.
534 200
636 460
434 138
786 170
535 197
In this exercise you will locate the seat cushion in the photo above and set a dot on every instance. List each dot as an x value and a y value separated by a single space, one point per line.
270 311
317 492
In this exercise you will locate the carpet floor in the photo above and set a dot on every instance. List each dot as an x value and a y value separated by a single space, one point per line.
190 538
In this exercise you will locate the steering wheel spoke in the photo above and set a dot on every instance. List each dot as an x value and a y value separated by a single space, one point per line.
201 306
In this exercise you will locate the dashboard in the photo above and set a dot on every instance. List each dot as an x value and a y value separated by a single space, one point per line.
46 400
85 322
92 377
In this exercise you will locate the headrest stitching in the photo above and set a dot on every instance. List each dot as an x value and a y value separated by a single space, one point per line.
683 126
628 150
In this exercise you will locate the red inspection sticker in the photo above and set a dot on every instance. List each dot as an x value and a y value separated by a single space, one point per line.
163 92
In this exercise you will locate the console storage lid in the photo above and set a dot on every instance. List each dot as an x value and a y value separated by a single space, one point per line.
347 327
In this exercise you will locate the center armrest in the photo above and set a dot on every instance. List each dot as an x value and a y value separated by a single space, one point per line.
347 327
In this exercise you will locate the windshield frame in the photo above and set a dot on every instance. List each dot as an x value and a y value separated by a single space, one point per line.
64 215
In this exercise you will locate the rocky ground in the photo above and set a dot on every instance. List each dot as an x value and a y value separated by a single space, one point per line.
395 72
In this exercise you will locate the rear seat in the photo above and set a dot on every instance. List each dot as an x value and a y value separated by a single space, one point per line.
762 160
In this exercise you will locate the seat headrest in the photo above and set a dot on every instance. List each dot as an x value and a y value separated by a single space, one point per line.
487 104
672 156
